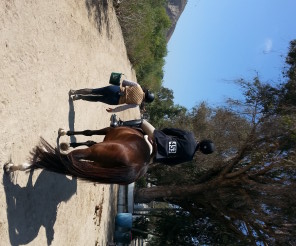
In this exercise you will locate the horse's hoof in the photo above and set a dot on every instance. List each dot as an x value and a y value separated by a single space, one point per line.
71 92
8 167
76 97
62 132
64 146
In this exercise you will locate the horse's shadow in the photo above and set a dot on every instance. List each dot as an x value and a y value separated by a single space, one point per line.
33 206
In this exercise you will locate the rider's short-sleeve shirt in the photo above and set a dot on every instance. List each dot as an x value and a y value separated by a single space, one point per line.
174 146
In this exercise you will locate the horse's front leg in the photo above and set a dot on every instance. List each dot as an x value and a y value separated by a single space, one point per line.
103 131
11 167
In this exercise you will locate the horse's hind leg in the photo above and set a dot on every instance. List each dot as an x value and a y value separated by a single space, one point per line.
103 131
66 146
87 143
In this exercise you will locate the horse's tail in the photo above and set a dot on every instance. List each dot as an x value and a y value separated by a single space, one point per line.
124 174
47 157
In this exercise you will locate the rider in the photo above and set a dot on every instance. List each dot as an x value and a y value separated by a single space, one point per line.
129 93
173 145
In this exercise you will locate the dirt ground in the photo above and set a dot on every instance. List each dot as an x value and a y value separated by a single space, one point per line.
46 48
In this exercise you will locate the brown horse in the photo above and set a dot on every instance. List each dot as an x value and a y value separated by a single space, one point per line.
121 158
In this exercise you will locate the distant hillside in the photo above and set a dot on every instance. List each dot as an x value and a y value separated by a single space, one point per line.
174 10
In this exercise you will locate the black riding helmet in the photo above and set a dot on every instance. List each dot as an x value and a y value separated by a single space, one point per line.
206 147
149 96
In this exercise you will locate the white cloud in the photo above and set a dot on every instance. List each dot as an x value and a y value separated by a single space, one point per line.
267 45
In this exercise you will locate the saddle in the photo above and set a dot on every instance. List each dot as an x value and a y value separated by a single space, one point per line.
135 124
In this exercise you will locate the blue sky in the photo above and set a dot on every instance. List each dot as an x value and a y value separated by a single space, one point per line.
218 41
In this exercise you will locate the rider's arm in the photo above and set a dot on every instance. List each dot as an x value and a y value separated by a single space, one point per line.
124 107
128 83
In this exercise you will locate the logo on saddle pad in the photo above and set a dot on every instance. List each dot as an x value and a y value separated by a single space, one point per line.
172 147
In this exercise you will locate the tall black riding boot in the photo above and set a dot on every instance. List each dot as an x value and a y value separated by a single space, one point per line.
85 91
131 123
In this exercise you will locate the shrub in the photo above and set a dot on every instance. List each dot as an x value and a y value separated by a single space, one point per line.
144 25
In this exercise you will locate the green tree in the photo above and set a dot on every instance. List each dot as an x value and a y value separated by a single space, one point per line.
163 111
248 186
144 24
288 99
244 193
